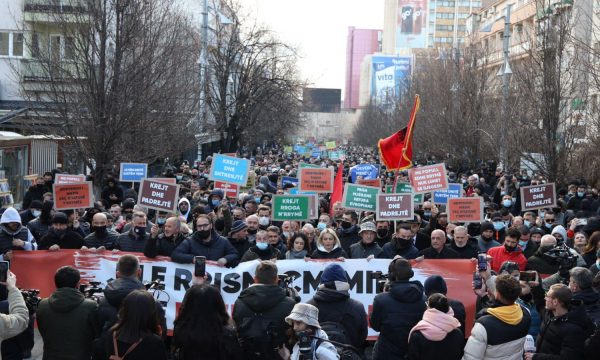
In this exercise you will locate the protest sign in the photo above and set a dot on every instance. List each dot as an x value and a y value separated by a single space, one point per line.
370 182
166 180
466 209
405 188
291 207
330 145
394 207
61 179
35 270
318 180
230 190
428 178
360 197
442 196
334 155
315 154
73 196
313 203
288 180
229 169
307 165
158 195
365 171
288 149
134 172
538 196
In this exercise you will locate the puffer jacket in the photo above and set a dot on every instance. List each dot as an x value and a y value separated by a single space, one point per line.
394 314
363 251
498 337
218 247
337 306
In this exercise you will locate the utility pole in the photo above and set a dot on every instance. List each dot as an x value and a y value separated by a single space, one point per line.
203 61
505 71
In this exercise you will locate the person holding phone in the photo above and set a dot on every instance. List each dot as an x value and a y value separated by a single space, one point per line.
17 319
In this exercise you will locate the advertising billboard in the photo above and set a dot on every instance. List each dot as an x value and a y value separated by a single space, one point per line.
390 78
411 25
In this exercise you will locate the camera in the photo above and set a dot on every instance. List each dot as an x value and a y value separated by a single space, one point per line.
32 300
285 282
383 281
305 344
154 285
90 290
157 288
562 256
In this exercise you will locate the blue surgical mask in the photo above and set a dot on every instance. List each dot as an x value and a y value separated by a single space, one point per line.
321 226
580 194
161 221
498 225
523 244
427 213
548 226
36 213
541 213
257 199
506 203
262 245
527 223
179 177
215 203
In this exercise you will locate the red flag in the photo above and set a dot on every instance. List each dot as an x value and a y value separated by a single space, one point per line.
396 150
338 188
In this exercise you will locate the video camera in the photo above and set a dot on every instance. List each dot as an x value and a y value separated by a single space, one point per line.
155 285
157 288
285 282
90 290
32 300
383 281
566 260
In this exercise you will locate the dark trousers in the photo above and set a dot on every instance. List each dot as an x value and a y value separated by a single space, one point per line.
13 348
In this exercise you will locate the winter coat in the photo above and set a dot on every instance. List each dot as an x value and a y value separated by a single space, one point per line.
35 192
337 306
394 314
324 350
69 240
485 245
348 237
422 345
269 300
241 246
446 253
296 255
230 346
38 229
363 251
542 263
391 249
67 320
108 240
218 247
162 245
469 251
591 302
7 235
530 249
563 337
254 253
498 337
130 242
499 255
17 319
107 191
151 347
421 240
333 254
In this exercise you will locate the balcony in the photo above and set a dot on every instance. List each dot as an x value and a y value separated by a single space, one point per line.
52 11
37 71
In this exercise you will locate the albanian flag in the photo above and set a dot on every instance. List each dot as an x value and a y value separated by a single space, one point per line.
396 150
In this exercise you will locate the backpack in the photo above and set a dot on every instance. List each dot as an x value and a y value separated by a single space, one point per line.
346 352
337 333
259 337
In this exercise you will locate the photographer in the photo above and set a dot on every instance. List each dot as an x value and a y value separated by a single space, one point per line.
18 316
304 321
68 322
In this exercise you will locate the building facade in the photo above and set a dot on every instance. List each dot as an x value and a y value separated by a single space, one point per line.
361 42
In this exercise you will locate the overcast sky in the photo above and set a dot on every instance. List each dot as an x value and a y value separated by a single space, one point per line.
320 29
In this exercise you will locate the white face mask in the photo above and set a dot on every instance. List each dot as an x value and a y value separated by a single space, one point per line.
264 221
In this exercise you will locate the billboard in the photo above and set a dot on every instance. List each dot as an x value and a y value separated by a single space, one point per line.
411 24
390 77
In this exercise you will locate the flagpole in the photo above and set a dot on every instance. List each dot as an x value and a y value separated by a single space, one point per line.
413 114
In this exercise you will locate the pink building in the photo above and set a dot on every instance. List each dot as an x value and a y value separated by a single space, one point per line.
361 42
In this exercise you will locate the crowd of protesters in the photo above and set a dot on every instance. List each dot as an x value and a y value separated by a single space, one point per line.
556 306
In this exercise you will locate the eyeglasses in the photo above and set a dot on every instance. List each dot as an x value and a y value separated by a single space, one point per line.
202 226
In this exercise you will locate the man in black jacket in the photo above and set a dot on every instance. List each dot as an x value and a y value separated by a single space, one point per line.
438 249
336 307
396 311
164 243
565 327
263 306
463 245
60 236
101 237
580 283
348 231
238 237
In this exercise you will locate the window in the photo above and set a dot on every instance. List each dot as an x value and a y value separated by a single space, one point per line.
11 44
444 15
445 3
35 45
61 48
444 28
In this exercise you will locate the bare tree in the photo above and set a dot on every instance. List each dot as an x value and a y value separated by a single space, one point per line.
120 82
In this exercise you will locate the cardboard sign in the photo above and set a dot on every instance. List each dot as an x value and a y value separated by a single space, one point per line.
465 209
291 207
158 195
229 169
61 179
360 197
318 180
394 207
454 191
315 154
166 180
330 145
288 180
230 190
428 178
73 196
538 196
405 188
134 172
370 182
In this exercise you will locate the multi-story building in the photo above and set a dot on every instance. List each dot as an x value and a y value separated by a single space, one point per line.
361 42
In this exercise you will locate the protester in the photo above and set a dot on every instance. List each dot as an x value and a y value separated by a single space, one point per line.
462 244
435 284
400 245
34 211
273 234
111 193
580 284
35 192
238 237
40 225
527 247
590 250
485 240
68 323
60 236
101 237
438 335
135 239
13 235
367 247
164 243
299 247
328 246
348 230
262 249
438 249
509 251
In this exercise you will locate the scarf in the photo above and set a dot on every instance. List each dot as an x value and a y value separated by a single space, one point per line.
436 324
293 254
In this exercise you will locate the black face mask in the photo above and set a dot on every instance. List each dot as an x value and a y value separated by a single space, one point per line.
382 233
139 230
403 243
39 186
203 234
101 230
60 233
346 224
252 231
220 225
544 249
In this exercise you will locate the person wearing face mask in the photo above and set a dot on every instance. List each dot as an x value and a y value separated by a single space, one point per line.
35 192
60 236
135 239
420 239
40 225
261 250
101 237
214 199
383 235
485 240
112 192
400 245
348 230
253 227
529 247
499 227
575 201
34 211
509 251
264 217
163 243
184 209
205 241
13 235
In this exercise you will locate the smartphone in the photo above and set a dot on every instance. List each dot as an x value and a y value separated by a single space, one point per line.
477 281
482 262
527 276
200 266
582 222
3 271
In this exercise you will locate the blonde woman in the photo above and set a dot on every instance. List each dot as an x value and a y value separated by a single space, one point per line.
329 246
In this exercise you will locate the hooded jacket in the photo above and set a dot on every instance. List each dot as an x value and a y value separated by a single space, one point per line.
18 316
68 239
35 192
437 336
499 255
337 306
563 337
67 321
216 192
271 302
394 314
391 249
11 215
218 247
188 214
498 333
